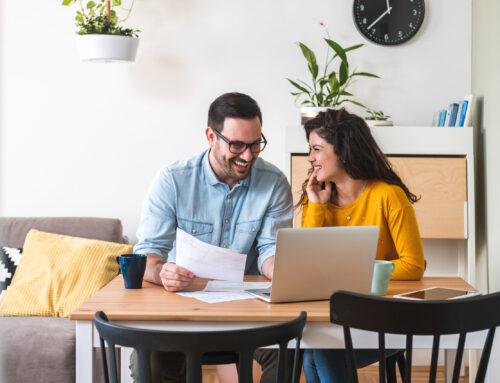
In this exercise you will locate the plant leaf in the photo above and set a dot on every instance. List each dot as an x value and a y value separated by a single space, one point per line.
353 47
343 73
306 85
365 74
334 83
338 50
311 59
91 4
117 3
346 93
354 102
298 86
68 2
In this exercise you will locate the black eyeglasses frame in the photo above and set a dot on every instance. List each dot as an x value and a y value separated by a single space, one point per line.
247 146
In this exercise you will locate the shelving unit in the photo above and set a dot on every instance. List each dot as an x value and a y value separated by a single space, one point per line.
436 163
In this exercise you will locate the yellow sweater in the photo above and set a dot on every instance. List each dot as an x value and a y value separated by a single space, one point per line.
387 207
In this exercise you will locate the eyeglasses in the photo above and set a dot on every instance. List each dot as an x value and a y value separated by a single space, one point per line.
238 147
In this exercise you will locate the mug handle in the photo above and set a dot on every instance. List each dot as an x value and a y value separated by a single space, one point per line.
393 266
118 259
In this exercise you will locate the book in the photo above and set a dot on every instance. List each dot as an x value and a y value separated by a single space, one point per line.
436 118
453 114
442 118
463 110
468 112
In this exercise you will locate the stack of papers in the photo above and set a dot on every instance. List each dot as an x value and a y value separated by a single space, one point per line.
209 261
221 291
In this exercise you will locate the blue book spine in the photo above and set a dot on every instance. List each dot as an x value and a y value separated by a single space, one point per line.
443 116
462 113
453 114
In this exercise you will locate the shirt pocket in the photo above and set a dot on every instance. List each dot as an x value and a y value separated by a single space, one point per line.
250 228
201 230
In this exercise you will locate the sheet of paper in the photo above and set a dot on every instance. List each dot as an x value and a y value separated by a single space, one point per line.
217 296
235 286
209 261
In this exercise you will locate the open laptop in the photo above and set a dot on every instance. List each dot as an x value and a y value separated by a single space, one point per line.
312 263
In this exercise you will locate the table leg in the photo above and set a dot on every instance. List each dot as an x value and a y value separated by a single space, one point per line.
84 351
449 363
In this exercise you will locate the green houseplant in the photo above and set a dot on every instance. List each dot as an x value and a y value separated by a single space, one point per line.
328 87
101 35
377 118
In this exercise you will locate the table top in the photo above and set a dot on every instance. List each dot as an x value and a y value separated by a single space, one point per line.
154 303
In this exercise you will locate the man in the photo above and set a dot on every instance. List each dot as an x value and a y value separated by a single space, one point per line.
227 196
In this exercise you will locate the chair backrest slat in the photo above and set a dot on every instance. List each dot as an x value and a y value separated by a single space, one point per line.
245 366
458 358
104 361
485 356
215 345
434 359
415 318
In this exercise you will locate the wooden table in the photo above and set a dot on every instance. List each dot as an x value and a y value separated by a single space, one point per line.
153 307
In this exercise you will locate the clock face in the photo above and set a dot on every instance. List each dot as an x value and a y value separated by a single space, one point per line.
388 22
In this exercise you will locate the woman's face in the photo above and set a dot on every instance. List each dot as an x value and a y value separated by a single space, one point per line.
323 159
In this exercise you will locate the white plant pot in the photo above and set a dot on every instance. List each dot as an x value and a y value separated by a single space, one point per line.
107 48
379 122
309 112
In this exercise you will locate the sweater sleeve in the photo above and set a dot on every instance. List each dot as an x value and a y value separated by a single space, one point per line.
406 236
313 214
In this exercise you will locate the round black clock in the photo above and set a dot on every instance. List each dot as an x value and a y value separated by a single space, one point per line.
388 22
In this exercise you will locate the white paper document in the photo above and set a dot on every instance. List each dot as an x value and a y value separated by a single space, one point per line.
208 261
236 286
217 296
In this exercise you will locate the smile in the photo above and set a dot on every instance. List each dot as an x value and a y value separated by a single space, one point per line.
316 167
241 164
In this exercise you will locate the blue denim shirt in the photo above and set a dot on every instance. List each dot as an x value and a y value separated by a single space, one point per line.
188 195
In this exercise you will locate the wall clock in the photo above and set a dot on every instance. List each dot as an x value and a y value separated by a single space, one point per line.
388 22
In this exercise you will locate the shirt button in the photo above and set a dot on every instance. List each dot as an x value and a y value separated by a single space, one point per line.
226 221
224 246
228 196
194 230
253 228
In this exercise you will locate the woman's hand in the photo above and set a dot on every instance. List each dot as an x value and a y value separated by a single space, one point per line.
315 191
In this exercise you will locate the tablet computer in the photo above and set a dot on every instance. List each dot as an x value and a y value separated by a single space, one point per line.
436 293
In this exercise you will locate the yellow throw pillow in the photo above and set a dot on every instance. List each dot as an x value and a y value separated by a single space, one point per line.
57 273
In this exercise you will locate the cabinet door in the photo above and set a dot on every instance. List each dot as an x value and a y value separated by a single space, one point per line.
441 182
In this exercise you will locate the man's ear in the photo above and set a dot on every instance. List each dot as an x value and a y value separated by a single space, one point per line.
211 136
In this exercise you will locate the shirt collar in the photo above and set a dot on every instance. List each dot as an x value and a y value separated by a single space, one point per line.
212 177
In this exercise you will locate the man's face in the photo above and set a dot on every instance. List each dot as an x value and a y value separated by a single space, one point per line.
230 168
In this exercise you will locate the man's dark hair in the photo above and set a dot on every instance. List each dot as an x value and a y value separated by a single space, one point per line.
236 105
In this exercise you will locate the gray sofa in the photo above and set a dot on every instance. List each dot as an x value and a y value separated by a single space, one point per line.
42 349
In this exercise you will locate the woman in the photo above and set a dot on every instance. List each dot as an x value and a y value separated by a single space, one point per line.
352 184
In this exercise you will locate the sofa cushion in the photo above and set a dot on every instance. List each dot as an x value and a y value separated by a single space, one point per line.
57 273
9 259
14 229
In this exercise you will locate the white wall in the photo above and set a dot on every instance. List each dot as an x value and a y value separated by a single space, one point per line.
86 139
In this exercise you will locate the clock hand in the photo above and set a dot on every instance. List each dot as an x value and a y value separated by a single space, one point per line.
388 6
378 19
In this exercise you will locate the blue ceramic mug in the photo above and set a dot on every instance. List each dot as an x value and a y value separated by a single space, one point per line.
381 275
132 267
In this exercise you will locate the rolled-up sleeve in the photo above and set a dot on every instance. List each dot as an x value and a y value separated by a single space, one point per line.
156 232
279 214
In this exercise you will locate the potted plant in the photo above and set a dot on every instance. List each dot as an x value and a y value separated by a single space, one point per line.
100 35
328 86
377 118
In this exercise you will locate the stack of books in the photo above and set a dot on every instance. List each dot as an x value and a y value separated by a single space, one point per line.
458 114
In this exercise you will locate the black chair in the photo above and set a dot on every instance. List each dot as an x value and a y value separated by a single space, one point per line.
399 316
199 347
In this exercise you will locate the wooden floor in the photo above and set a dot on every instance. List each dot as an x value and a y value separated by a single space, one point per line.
366 375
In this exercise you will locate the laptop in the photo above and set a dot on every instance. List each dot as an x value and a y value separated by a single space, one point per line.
311 263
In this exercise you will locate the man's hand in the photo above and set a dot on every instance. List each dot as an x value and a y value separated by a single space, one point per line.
268 267
175 278
171 276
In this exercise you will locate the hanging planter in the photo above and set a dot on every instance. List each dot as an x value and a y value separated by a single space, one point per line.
100 37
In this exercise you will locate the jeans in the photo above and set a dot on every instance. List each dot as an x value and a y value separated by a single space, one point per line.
330 366
170 367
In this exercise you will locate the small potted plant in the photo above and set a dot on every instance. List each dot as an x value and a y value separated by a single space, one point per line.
328 86
100 35
377 118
